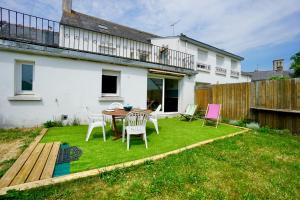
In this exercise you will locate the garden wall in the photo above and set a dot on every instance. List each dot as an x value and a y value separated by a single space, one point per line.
273 103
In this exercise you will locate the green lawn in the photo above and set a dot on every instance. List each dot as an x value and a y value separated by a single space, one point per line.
96 153
248 166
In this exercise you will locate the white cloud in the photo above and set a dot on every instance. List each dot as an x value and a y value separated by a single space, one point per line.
233 25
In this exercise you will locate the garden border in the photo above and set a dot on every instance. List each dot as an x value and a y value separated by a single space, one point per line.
94 172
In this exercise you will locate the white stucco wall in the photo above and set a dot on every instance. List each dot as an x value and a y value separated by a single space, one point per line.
66 86
203 77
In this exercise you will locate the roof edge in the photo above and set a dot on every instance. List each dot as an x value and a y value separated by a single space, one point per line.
196 42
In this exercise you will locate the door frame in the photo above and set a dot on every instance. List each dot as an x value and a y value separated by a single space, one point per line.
163 77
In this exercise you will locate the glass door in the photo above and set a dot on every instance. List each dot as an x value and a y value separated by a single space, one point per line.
154 93
171 95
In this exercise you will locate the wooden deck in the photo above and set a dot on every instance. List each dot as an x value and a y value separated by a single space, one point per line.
35 163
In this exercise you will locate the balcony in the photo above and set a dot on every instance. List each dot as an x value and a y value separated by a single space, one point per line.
203 67
30 29
234 73
221 71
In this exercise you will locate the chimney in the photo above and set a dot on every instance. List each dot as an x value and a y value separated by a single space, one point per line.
67 6
278 65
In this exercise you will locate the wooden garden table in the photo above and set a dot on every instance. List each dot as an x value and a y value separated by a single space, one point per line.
120 114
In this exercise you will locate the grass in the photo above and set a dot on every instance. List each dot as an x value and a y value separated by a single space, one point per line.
15 136
96 153
249 166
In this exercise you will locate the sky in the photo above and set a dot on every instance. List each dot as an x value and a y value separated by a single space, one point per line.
258 30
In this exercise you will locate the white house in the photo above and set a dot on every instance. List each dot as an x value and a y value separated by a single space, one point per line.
54 69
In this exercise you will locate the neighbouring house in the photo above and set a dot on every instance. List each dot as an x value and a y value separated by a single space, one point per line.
53 70
278 71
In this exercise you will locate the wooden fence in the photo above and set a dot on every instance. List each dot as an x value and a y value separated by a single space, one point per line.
273 103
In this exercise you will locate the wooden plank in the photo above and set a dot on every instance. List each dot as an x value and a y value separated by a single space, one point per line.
15 168
40 164
26 169
277 110
50 164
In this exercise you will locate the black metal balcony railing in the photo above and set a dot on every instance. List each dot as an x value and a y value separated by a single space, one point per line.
22 27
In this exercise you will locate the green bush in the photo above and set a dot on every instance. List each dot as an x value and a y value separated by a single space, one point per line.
264 129
54 123
225 120
253 125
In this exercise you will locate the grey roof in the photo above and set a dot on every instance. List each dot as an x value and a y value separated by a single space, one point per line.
91 23
196 42
265 75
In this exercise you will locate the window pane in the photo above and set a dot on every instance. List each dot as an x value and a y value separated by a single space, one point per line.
27 74
154 93
171 95
202 55
109 84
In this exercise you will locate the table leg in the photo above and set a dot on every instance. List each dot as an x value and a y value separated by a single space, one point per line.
118 134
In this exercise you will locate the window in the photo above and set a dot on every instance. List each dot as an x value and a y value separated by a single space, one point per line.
202 55
234 64
220 61
24 77
110 83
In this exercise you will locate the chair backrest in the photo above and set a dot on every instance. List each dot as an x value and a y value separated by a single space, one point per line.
191 109
155 113
213 111
93 117
157 109
136 118
115 105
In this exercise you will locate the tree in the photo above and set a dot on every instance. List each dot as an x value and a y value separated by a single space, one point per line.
295 65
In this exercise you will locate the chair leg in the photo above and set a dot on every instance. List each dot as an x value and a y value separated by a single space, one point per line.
156 126
145 138
90 129
104 134
128 141
123 133
203 122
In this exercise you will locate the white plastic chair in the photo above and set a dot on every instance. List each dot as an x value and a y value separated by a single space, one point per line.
153 118
95 120
135 125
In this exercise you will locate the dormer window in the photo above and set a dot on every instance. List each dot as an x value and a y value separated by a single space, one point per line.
102 27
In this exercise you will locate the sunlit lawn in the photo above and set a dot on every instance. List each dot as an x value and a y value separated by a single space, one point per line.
249 166
97 153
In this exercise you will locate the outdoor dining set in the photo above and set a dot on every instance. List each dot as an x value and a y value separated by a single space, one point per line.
134 120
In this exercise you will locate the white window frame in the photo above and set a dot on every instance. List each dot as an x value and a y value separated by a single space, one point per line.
111 73
18 78
163 78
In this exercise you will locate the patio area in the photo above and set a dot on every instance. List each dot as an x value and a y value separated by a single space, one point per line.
96 153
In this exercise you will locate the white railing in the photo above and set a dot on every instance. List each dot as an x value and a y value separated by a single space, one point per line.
221 71
203 67
234 73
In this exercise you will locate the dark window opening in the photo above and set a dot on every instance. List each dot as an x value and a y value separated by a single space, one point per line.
109 84
27 76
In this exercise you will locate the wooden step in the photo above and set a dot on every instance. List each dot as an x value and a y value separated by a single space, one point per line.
40 164
50 164
8 177
29 164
